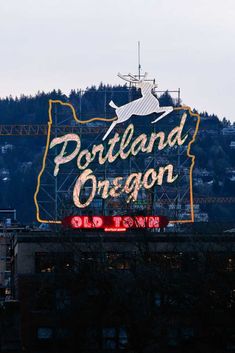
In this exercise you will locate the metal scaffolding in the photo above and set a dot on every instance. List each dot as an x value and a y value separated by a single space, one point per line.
55 197
55 194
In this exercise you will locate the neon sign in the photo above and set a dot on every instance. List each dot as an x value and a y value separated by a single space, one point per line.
127 146
114 223
70 151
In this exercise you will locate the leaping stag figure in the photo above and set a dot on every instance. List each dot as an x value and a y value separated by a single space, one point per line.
145 105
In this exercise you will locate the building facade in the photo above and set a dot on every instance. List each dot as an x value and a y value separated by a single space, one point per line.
133 292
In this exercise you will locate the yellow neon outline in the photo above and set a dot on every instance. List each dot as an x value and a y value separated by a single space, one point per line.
51 101
192 156
46 151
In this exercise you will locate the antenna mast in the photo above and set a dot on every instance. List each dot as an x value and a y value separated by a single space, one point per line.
139 66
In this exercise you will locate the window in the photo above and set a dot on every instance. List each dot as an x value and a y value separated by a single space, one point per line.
173 336
8 266
44 299
177 334
90 261
113 260
230 333
109 338
114 338
231 300
169 261
221 262
230 264
7 291
190 262
15 264
53 262
187 333
92 338
122 339
157 299
63 299
44 333
62 333
118 261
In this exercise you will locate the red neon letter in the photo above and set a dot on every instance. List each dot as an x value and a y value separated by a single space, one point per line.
97 221
153 222
128 222
117 221
76 222
87 223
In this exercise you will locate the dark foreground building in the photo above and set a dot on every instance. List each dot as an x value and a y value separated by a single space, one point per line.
133 292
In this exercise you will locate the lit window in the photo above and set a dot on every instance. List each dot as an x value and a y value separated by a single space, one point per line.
231 300
122 339
114 338
230 264
7 291
109 338
157 299
44 333
53 262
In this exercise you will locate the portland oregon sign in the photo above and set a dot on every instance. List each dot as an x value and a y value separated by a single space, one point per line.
118 152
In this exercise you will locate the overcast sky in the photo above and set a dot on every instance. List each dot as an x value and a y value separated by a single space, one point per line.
47 44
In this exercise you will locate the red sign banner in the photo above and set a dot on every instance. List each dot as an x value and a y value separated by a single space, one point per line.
115 223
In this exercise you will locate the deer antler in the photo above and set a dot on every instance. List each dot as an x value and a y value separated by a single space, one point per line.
134 79
125 78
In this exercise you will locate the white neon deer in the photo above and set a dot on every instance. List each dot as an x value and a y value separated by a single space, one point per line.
145 105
